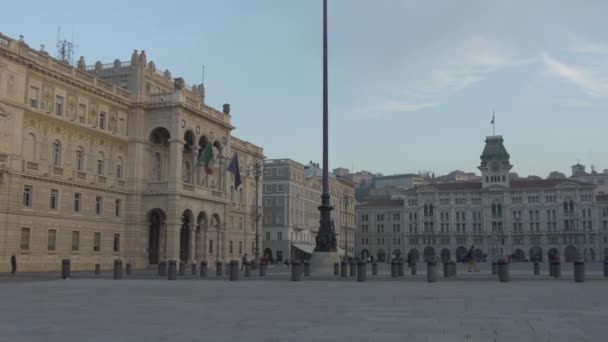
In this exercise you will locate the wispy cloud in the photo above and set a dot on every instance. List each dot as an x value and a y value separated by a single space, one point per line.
594 82
443 72
584 46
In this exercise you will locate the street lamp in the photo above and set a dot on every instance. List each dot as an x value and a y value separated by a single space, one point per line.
256 170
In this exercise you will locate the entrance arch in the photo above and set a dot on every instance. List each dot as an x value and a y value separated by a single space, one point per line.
552 254
429 253
536 254
200 236
461 253
445 255
571 253
157 220
519 255
184 236
268 255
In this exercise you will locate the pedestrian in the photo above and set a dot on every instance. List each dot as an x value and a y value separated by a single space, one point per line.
471 258
13 264
243 261
287 262
409 260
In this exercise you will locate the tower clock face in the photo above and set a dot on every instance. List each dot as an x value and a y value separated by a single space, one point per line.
494 166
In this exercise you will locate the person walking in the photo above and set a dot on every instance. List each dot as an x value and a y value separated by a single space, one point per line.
471 258
409 260
13 264
243 261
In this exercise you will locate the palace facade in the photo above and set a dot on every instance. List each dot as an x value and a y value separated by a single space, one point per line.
530 219
101 162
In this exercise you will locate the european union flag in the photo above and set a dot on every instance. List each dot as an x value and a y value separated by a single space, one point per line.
234 168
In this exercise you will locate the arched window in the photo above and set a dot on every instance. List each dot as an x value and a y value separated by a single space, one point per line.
157 167
29 147
79 159
56 153
100 164
119 168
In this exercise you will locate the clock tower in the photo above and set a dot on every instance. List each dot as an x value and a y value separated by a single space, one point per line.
495 165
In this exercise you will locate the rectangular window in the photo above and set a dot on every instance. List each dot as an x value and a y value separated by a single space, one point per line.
25 239
118 207
210 246
279 236
116 243
240 247
100 167
267 236
230 247
102 120
77 199
97 242
121 126
54 202
98 205
268 188
82 113
280 188
119 171
51 239
267 202
34 93
75 241
27 196
59 105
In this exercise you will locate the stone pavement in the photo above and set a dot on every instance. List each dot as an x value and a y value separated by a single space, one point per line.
470 307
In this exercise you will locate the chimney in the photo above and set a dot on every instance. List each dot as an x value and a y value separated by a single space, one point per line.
227 108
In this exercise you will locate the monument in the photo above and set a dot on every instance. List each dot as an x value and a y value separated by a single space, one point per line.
326 249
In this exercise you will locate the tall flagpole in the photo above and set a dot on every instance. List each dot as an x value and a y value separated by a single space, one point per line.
326 237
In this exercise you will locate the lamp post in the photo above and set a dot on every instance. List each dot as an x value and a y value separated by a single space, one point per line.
256 170
326 238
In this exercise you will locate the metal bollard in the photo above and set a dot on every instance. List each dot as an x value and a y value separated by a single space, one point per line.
97 269
336 269
128 269
394 271
296 274
361 271
182 268
117 274
263 268
579 271
431 271
352 269
494 267
343 269
65 269
503 271
446 269
413 268
248 267
219 269
203 269
162 269
375 269
306 268
536 268
401 268
234 270
194 269
172 270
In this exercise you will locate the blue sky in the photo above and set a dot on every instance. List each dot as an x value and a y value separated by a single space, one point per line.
412 83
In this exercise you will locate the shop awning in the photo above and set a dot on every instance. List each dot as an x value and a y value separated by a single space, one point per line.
306 248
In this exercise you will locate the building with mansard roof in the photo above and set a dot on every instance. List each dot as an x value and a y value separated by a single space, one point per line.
101 162
529 219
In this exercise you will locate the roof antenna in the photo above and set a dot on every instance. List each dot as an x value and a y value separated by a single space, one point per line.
65 48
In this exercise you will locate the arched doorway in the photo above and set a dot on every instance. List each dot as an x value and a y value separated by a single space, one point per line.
536 254
429 253
184 236
156 219
461 253
519 255
445 255
553 254
397 253
268 255
200 235
571 253
413 253
380 255
364 254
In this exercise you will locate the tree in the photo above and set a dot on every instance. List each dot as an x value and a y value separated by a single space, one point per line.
556 175
513 175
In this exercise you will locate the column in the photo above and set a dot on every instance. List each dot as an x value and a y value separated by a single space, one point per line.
192 246
204 243
172 239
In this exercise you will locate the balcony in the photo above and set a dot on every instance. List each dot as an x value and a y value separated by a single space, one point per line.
57 171
102 180
30 167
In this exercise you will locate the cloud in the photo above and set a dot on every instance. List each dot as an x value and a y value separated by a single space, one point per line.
442 71
583 46
594 82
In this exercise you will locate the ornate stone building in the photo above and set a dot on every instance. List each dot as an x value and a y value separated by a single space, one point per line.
292 195
526 218
99 162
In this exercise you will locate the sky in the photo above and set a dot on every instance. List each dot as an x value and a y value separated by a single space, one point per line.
413 84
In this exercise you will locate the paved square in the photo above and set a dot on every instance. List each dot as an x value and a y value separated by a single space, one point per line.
469 308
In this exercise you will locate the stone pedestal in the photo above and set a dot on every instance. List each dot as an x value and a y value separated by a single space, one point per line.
401 268
97 269
579 271
503 271
306 264
219 269
323 262
234 270
352 269
162 269
65 269
172 270
117 274
296 272
361 271
536 268
194 269
431 271
203 269
374 269
413 268
182 268
128 269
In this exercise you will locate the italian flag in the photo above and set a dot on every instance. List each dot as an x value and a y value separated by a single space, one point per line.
205 159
